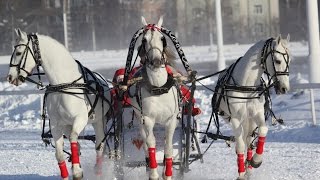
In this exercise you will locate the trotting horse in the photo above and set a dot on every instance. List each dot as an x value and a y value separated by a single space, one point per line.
68 105
157 97
239 96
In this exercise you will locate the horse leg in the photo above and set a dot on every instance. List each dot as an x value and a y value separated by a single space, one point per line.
240 146
99 131
168 150
151 143
57 135
78 126
262 133
144 146
249 140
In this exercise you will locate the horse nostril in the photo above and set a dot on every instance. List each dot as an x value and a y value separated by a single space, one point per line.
284 90
9 78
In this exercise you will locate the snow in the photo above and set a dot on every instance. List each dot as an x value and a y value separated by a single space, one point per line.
292 151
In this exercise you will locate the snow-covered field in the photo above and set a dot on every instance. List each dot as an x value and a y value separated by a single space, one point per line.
292 150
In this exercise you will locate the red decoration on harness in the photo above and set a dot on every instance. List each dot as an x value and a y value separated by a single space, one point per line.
241 167
260 145
75 153
137 142
63 169
152 27
152 155
168 166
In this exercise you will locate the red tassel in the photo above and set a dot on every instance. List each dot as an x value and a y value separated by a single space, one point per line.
152 155
63 169
75 153
260 145
168 167
241 167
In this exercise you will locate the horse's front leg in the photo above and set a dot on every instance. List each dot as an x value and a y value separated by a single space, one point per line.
151 143
57 135
99 132
79 123
249 140
262 133
168 150
144 145
240 146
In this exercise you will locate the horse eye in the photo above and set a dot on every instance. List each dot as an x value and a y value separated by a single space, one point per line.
144 40
18 53
278 61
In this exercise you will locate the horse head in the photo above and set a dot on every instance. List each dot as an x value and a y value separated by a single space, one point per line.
153 44
22 59
277 67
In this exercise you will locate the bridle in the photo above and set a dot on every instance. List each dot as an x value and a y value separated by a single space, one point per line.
148 60
267 50
33 39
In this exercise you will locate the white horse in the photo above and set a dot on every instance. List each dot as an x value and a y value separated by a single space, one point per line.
68 110
152 105
238 100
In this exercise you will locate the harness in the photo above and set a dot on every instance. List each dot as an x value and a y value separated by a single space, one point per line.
226 83
93 83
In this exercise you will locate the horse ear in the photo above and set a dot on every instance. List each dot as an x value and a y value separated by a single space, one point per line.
278 39
143 21
288 37
159 24
20 33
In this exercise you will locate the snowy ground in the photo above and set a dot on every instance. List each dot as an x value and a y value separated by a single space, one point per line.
292 150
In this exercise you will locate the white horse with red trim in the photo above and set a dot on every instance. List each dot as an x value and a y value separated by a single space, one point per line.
240 96
67 108
156 101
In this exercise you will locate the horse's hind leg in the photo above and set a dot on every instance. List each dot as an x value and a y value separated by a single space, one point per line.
79 123
262 133
151 143
168 150
58 139
99 131
240 146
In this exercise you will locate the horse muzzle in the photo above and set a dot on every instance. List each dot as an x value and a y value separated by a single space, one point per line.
15 81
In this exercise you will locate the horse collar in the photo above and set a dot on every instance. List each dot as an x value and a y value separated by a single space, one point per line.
154 90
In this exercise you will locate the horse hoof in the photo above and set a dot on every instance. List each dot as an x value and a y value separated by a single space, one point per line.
255 164
154 178
78 176
241 178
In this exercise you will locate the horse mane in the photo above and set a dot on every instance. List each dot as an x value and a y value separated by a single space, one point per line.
170 56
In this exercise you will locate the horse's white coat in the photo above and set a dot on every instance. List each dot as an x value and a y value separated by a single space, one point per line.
245 115
162 109
68 113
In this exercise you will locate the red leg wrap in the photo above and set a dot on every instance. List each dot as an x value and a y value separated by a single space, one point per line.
152 155
98 166
260 145
241 167
63 169
249 157
75 153
168 167
249 154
